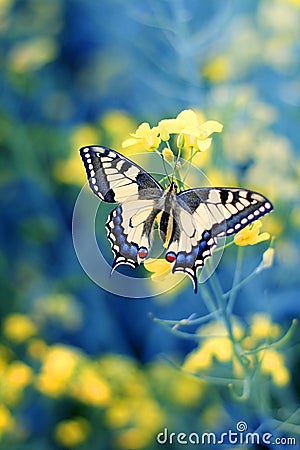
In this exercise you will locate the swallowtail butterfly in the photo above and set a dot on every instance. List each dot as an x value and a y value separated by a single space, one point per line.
189 221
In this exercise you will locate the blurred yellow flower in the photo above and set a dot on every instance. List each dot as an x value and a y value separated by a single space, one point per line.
117 125
6 420
144 136
89 387
73 432
133 439
60 307
135 416
18 374
273 364
70 171
215 345
18 328
176 387
58 367
219 348
294 2
14 380
159 267
37 348
217 70
118 414
117 121
262 327
250 235
30 55
192 131
84 135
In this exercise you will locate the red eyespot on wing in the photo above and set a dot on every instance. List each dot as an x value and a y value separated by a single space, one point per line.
171 257
143 252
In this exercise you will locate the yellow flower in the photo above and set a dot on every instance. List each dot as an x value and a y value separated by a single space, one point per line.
58 367
217 70
71 171
90 387
37 348
215 345
62 308
18 328
273 364
160 268
18 374
144 136
250 235
192 131
14 380
168 154
294 2
31 55
133 439
262 327
71 433
84 135
202 358
6 420
186 118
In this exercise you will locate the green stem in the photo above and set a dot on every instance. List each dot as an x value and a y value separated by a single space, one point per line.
226 320
240 284
236 279
193 153
188 321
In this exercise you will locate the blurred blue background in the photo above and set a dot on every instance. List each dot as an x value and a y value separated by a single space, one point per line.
82 72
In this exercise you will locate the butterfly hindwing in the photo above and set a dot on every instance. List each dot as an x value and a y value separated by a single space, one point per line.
114 178
129 228
210 213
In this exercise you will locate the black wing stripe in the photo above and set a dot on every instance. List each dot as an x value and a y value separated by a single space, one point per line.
108 170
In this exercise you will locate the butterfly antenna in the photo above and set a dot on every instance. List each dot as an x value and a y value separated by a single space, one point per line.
175 165
165 168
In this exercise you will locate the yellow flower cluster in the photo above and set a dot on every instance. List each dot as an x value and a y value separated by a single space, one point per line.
133 412
66 371
15 376
217 347
191 130
18 328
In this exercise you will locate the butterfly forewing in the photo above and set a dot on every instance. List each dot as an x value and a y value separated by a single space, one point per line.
114 178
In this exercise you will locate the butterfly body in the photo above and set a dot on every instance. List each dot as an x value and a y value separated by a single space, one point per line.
189 221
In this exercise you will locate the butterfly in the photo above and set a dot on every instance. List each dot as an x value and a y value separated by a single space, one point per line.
189 222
